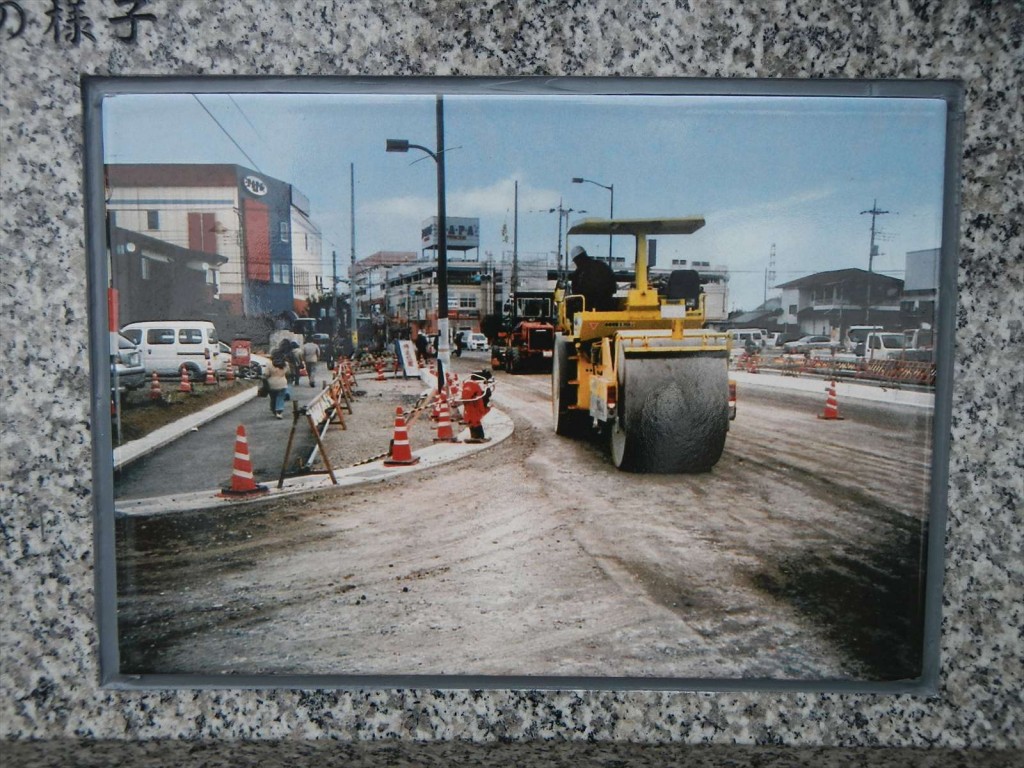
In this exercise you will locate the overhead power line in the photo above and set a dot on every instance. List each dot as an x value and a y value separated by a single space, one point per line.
227 133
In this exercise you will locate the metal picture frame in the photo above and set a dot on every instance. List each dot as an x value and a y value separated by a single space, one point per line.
126 589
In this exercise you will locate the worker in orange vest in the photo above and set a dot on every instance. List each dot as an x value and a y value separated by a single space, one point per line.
476 400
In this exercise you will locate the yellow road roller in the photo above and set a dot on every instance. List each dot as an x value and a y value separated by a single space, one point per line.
642 368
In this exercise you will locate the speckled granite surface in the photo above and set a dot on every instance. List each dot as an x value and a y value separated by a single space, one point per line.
49 673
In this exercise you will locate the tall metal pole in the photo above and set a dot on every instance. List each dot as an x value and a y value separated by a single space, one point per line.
443 350
611 215
515 240
352 331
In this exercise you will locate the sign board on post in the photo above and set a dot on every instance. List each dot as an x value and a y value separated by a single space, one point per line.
407 353
463 234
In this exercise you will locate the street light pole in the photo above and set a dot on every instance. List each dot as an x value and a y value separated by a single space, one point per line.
611 206
403 145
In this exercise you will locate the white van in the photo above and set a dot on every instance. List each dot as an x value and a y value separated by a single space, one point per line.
167 345
740 337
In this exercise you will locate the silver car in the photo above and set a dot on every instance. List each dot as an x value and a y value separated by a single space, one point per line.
127 365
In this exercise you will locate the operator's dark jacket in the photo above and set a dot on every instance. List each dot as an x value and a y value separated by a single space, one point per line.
596 281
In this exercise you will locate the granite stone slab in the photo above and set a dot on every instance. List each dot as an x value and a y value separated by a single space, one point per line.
52 710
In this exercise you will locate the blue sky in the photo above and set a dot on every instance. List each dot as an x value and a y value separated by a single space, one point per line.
793 172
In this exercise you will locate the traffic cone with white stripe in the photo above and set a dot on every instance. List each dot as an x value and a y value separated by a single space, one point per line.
379 365
184 385
210 378
444 423
400 454
242 481
229 374
831 412
154 388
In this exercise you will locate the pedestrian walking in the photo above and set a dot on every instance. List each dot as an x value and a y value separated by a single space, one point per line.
277 384
288 350
422 343
310 357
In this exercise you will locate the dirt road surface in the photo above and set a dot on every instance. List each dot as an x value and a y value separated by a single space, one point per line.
797 557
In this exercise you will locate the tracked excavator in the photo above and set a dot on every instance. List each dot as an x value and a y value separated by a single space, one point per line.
646 373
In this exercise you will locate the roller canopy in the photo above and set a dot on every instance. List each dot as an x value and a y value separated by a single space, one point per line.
681 226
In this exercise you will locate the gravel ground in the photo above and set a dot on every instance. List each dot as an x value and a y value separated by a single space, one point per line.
371 425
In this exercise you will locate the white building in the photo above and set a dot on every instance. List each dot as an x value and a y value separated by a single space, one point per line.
261 226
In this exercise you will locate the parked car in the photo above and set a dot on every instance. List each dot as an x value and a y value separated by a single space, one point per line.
128 368
806 344
476 341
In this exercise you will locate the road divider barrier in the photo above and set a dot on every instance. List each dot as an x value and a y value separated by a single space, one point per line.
320 413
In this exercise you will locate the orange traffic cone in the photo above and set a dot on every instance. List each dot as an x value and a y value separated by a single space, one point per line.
210 378
444 424
185 385
154 388
380 371
230 373
401 454
242 482
831 412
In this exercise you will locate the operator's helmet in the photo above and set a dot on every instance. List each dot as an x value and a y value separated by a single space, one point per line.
577 251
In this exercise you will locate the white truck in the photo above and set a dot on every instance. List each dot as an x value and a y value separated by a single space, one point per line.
881 345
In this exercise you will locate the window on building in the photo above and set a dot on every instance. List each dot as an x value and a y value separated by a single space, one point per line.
152 219
792 309
281 273
284 232
467 302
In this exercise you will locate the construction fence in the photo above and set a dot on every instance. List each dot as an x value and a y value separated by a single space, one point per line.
893 372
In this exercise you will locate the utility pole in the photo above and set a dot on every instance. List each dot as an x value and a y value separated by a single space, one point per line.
875 212
352 246
334 295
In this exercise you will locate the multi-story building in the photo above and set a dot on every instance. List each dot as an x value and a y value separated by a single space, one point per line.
827 303
268 250
920 287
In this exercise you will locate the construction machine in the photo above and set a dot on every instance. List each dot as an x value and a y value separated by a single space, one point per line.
525 341
646 372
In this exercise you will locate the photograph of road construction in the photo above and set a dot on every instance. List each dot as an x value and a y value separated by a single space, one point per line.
380 426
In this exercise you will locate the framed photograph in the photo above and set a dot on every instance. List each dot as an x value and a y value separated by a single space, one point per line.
529 383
